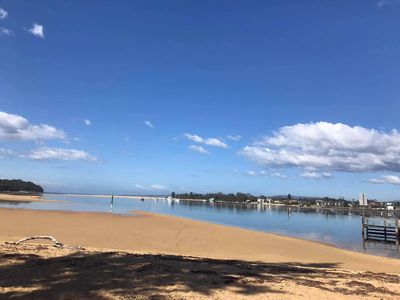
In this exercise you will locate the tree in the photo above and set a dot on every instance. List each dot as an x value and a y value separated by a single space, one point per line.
289 197
173 195
16 185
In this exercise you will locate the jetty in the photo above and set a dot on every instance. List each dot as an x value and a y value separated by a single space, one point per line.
381 230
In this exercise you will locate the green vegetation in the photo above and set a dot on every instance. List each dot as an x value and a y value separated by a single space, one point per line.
238 197
18 185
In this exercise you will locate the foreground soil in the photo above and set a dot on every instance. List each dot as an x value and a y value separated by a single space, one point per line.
38 271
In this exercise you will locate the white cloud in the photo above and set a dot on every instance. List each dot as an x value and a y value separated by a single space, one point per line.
37 30
328 147
315 175
234 137
251 173
207 141
87 122
194 137
152 187
277 174
15 127
381 3
158 187
199 149
5 31
3 14
47 153
5 152
148 124
390 179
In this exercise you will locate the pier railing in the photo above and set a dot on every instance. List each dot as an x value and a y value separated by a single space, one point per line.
382 230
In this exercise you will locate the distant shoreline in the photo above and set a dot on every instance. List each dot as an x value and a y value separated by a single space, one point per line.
356 210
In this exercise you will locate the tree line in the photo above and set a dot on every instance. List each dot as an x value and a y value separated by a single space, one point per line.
238 197
18 185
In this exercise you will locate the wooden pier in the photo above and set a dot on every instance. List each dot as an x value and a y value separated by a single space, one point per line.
381 230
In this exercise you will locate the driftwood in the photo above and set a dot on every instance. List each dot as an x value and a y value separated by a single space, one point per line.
39 237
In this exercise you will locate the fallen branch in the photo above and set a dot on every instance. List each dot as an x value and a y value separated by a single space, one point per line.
39 237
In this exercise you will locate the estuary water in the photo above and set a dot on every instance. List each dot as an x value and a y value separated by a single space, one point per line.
339 229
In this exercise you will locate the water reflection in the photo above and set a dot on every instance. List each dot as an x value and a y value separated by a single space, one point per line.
15 203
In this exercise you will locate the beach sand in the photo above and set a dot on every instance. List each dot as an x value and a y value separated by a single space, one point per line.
168 257
24 198
20 198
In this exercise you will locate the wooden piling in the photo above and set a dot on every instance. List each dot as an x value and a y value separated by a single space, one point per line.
384 232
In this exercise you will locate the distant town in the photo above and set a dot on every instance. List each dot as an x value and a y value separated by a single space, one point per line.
362 203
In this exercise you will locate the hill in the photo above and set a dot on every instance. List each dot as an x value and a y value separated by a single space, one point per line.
18 185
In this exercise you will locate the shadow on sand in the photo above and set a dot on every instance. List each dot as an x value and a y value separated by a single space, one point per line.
88 275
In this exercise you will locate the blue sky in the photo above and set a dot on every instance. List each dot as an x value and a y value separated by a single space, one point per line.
267 97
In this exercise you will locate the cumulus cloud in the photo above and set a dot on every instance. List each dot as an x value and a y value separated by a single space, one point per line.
315 175
251 173
149 124
3 14
159 187
277 174
384 3
37 30
5 152
152 187
207 141
381 3
328 147
87 122
234 137
390 179
199 149
47 153
15 127
5 31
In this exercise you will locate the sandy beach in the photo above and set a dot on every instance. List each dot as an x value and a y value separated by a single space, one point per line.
20 198
24 198
181 259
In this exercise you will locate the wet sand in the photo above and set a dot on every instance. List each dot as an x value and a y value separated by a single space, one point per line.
20 198
24 198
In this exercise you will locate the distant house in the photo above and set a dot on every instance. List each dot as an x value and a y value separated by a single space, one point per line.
389 206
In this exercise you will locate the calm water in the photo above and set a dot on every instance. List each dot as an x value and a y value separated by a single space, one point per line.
342 230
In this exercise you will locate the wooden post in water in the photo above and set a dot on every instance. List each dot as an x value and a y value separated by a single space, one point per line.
384 229
397 225
363 235
111 203
362 228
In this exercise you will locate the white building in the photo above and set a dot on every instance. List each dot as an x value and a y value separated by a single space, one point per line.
389 206
362 200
